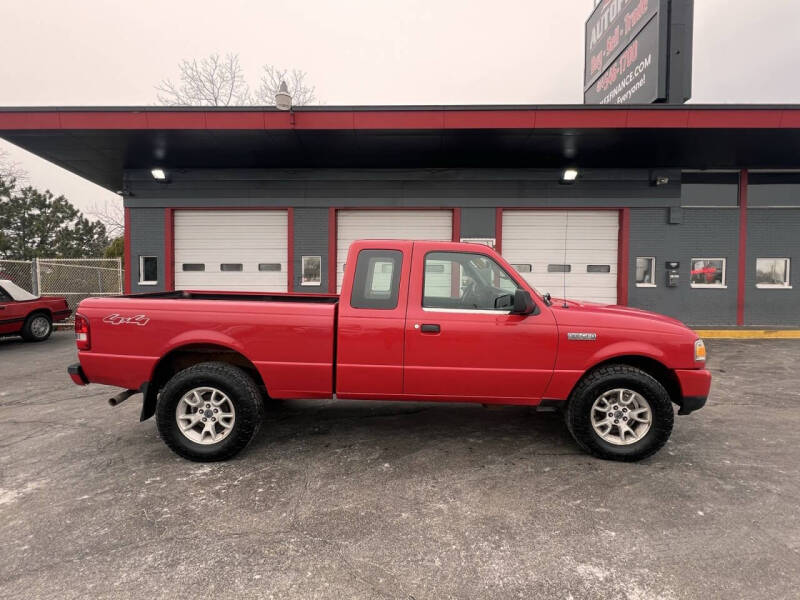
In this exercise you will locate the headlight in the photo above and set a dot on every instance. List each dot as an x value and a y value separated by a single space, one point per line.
699 351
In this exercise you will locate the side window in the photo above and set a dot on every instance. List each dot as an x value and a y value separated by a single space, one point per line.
148 270
4 296
466 281
377 279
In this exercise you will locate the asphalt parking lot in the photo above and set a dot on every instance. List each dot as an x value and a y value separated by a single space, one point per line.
383 500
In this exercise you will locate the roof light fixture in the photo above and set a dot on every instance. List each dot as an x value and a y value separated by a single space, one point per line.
159 174
569 175
283 100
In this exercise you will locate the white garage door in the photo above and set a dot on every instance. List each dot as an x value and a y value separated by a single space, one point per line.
534 241
352 225
243 250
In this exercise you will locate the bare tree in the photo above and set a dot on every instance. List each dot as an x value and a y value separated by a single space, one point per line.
112 216
210 81
9 169
301 92
218 81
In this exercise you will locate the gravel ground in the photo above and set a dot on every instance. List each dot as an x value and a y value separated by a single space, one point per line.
397 500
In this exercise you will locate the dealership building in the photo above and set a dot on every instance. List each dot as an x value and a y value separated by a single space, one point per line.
688 210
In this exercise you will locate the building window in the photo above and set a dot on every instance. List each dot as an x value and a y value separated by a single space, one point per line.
148 270
559 268
523 268
269 267
312 270
645 271
193 267
598 268
773 273
707 273
230 267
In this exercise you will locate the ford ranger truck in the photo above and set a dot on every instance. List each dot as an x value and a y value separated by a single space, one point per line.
420 321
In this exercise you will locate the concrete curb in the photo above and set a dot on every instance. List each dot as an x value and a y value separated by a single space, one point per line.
749 334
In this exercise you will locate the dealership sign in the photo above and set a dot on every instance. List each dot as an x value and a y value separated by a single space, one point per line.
626 52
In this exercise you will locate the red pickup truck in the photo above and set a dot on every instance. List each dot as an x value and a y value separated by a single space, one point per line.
423 321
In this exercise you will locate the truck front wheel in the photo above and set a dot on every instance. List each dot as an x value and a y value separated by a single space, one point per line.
209 412
619 412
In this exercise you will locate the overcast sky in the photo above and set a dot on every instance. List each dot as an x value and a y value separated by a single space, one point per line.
94 52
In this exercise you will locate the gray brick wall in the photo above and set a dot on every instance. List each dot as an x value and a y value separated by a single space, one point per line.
310 239
773 233
709 233
478 222
147 239
784 194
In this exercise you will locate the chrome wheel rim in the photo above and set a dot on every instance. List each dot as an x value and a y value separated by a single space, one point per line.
205 415
621 417
40 326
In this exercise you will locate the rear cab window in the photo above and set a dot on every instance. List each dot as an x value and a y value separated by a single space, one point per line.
376 284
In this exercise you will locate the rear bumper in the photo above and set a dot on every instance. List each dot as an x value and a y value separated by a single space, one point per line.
77 375
695 386
61 315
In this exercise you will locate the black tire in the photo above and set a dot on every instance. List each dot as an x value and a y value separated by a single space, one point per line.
32 330
602 380
232 381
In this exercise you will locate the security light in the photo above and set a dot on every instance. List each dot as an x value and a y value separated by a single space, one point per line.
159 174
283 100
569 175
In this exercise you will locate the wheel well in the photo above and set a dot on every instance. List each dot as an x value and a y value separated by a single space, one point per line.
45 311
187 356
658 371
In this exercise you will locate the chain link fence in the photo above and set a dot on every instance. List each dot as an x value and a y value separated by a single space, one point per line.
72 278
19 272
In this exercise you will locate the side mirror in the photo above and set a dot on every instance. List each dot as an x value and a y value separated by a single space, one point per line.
523 303
506 301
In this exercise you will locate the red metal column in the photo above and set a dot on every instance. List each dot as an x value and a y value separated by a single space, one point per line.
126 277
498 230
742 271
169 249
456 224
332 250
290 250
623 260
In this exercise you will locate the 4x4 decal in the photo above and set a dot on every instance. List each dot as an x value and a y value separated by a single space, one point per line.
116 319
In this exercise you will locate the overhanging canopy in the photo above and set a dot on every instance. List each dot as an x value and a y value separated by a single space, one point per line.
100 143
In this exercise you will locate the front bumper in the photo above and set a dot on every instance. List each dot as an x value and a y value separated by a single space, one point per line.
77 375
695 386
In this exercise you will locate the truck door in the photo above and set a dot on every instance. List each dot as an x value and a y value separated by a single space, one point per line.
458 345
371 322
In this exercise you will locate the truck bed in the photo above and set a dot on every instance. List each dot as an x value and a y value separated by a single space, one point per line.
289 339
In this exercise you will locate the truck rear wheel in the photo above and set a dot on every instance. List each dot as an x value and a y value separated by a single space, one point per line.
620 413
209 412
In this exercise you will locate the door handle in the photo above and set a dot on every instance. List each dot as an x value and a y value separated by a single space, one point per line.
431 328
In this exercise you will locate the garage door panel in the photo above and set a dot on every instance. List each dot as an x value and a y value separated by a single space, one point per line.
352 225
575 238
248 238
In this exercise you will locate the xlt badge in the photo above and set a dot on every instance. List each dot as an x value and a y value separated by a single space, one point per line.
582 336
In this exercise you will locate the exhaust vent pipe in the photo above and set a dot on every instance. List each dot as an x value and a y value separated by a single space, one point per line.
121 397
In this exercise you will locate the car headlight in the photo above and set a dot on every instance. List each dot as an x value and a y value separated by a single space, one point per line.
699 351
